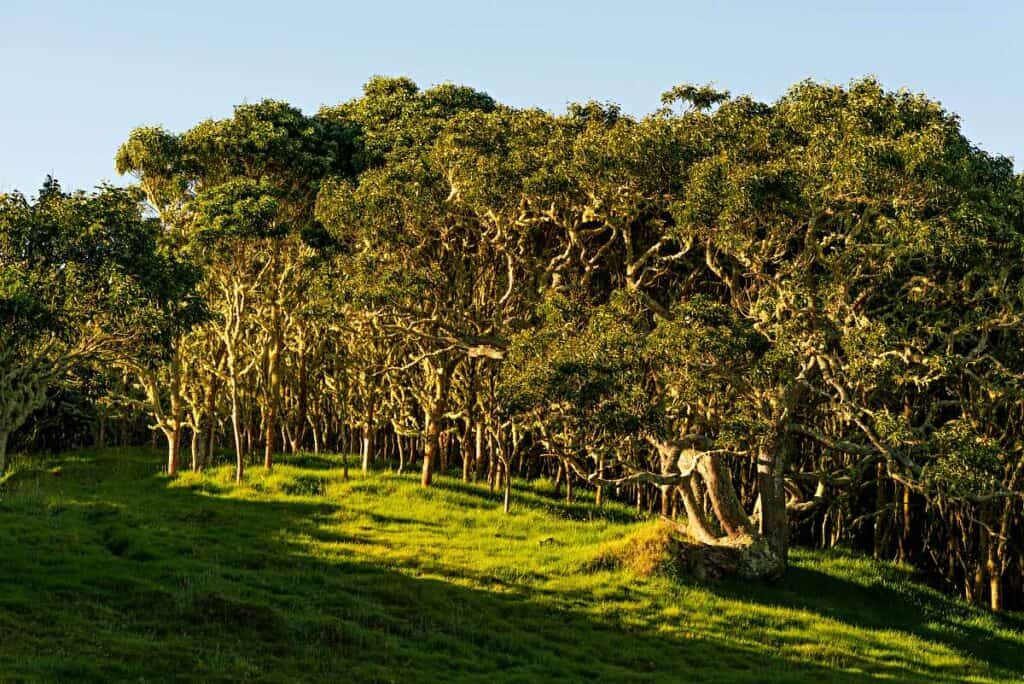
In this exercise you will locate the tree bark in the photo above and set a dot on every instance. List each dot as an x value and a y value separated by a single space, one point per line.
173 449
774 524
366 447
3 452
724 500
508 488
432 431
196 446
431 446
995 582
236 427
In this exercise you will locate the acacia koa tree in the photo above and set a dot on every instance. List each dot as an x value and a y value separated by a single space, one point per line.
80 275
787 322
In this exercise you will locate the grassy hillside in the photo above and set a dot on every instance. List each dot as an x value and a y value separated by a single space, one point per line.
111 571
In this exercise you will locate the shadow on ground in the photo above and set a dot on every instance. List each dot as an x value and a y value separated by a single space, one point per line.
114 574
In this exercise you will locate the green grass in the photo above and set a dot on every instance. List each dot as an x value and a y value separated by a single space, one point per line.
111 571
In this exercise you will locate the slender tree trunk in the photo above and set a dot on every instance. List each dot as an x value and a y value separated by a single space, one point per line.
196 446
367 446
236 426
466 449
303 398
881 525
478 458
508 488
568 485
904 551
3 452
211 441
101 438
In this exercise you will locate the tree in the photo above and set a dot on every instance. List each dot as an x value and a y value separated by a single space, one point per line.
82 276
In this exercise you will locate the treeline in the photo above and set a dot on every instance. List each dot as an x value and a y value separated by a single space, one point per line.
787 322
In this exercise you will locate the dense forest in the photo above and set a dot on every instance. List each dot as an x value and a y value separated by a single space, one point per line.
772 324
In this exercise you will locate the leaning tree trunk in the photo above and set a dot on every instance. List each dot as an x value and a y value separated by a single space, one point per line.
721 539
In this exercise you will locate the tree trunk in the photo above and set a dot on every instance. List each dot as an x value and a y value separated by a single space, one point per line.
881 525
478 456
303 399
431 446
774 525
211 442
466 449
3 452
994 579
236 426
366 447
508 488
196 446
724 501
173 449
269 440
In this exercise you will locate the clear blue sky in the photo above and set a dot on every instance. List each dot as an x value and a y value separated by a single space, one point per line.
78 76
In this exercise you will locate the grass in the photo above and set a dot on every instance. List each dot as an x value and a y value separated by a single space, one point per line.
111 571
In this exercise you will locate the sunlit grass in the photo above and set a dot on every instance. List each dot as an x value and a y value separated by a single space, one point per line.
112 571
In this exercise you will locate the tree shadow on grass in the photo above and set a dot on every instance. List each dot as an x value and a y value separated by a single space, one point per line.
914 609
525 495
142 579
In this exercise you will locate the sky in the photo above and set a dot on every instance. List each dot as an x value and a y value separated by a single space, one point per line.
78 76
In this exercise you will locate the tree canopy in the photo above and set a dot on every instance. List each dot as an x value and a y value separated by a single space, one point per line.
787 322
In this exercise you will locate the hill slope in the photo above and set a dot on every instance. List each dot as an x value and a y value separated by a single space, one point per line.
111 571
